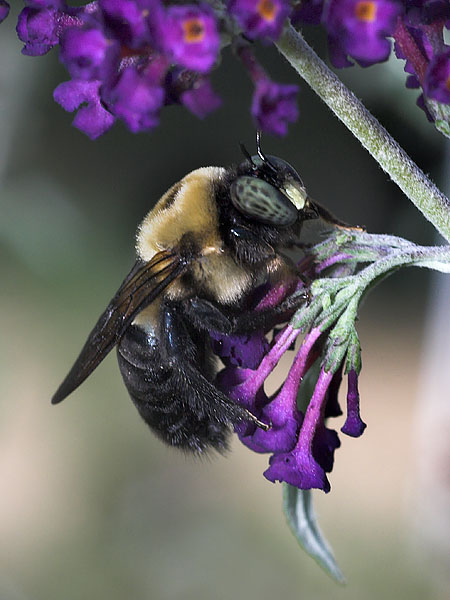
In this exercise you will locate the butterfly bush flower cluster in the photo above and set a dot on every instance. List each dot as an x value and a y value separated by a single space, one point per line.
301 445
128 59
360 31
341 271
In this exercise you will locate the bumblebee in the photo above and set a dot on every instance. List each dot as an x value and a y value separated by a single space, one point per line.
204 248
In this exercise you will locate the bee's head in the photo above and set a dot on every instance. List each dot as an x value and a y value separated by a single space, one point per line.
269 190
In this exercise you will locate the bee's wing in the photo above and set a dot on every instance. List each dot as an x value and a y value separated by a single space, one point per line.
141 286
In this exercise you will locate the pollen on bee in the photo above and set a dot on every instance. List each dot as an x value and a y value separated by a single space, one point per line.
194 30
267 9
366 10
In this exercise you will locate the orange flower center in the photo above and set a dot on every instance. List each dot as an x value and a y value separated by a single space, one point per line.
447 83
267 9
193 30
366 11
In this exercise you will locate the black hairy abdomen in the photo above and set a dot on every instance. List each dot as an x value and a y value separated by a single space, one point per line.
169 381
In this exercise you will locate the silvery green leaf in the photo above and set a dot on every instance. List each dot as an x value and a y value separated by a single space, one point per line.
441 115
300 515
443 127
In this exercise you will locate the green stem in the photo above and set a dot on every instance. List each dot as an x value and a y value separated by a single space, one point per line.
433 204
432 257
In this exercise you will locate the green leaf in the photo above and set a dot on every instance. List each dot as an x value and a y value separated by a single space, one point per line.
300 515
441 114
443 127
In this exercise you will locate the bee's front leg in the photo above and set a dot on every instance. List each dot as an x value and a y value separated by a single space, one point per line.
206 316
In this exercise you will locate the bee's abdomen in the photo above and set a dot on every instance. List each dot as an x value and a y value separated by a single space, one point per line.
173 396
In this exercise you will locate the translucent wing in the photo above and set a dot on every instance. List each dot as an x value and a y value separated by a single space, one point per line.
143 284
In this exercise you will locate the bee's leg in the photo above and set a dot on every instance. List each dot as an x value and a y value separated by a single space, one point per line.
268 318
328 217
190 352
250 246
206 316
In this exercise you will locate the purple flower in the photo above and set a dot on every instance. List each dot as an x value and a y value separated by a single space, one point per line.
242 386
359 28
303 448
285 420
260 18
419 39
274 106
414 46
201 99
128 20
325 442
91 117
244 350
274 295
282 412
137 98
42 22
114 43
245 385
38 29
353 425
300 467
4 10
437 79
87 53
190 37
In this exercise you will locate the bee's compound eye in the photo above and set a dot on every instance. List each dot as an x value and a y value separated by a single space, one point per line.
262 201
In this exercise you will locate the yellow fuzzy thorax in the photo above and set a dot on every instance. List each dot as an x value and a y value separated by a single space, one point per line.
189 206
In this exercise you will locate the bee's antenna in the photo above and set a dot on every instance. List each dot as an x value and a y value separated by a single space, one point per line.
261 154
245 152
258 146
247 155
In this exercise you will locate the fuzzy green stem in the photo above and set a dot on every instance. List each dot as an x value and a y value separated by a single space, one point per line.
431 257
433 204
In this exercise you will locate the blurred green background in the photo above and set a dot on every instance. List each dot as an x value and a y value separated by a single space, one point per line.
93 506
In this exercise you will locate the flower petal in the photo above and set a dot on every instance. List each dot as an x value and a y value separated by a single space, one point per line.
274 106
190 37
201 99
92 118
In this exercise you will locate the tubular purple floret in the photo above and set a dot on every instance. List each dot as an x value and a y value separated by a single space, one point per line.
299 467
353 426
282 412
